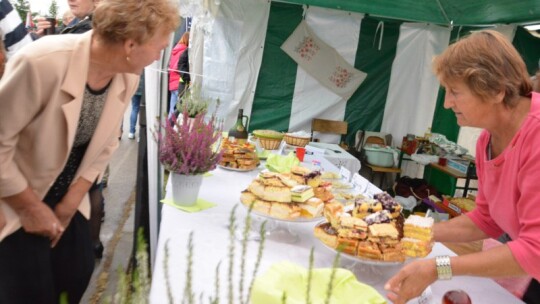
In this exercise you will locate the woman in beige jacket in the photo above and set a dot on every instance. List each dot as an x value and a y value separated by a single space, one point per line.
62 100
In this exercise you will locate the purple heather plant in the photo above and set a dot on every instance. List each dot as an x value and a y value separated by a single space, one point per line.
186 144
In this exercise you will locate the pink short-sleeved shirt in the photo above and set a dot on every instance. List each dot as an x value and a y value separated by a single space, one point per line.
509 191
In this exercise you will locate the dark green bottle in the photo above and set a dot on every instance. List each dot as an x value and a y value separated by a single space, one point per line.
239 130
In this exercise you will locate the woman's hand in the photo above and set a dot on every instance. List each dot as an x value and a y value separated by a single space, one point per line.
42 24
39 219
411 281
64 212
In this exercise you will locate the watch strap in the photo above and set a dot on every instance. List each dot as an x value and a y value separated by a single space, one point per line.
444 269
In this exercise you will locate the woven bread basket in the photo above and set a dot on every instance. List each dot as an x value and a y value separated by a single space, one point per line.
269 143
296 141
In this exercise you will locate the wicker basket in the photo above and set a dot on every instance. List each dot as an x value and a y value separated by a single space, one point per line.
296 141
269 143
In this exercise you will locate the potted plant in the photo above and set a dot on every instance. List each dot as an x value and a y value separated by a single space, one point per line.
188 150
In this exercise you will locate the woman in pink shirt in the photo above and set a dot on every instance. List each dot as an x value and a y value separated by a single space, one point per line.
488 87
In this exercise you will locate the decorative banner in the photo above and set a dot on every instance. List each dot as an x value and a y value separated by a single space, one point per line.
322 61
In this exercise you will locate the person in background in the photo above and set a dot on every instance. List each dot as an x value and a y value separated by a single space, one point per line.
67 18
135 105
185 78
488 86
81 23
14 35
59 120
174 74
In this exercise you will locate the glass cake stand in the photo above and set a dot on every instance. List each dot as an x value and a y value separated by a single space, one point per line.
278 230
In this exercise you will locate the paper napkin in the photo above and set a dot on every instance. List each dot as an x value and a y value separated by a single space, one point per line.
280 164
200 205
292 279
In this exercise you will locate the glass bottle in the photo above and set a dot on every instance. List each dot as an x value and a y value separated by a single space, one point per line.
238 132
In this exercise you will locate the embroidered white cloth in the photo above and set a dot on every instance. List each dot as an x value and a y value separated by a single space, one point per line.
322 61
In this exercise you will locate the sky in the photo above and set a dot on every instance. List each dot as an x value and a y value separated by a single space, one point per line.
42 6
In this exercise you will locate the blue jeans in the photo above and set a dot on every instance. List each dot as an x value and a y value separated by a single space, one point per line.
172 102
135 105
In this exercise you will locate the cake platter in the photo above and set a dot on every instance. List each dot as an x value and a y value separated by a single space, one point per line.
237 169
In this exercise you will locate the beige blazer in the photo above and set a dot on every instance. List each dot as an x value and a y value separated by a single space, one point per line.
40 101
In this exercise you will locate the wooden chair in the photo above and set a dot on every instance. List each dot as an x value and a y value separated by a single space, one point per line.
381 171
328 126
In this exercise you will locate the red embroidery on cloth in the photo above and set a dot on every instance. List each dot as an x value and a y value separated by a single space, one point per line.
340 77
307 48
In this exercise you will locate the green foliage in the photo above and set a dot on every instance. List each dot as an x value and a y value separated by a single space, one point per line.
194 102
53 9
22 7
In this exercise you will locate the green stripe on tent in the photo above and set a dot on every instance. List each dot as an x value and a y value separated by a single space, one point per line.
529 48
445 122
365 109
275 86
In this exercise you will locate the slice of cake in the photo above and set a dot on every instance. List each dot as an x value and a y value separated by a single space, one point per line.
301 193
270 193
415 248
365 207
417 236
332 212
311 208
327 234
352 227
284 211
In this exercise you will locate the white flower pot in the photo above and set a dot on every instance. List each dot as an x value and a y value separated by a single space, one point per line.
185 188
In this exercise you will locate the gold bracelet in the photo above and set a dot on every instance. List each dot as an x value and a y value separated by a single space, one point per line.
444 269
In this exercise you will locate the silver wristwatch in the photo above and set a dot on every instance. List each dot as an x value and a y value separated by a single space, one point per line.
444 270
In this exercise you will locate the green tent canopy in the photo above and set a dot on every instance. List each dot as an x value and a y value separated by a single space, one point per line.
456 12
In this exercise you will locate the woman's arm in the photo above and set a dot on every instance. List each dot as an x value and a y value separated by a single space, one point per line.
415 277
458 229
69 204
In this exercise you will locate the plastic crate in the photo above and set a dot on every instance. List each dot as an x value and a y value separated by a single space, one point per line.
460 165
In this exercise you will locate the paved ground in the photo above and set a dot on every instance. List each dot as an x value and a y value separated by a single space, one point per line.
117 230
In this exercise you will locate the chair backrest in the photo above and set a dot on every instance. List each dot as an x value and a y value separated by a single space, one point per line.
328 126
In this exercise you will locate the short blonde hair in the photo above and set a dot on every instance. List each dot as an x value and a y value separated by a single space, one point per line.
118 20
488 64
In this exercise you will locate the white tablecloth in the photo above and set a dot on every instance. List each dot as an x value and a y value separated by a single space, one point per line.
339 156
211 243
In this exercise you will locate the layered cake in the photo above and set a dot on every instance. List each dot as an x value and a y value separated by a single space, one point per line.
417 236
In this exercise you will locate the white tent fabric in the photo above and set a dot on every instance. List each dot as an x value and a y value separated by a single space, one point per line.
413 86
233 53
308 92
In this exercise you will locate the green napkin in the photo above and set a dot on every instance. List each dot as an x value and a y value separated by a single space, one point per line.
200 205
292 279
280 164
